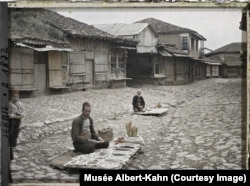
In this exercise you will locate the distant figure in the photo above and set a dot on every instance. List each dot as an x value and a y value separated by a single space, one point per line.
85 139
138 102
16 113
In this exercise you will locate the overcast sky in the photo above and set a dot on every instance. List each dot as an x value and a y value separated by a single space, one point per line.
219 26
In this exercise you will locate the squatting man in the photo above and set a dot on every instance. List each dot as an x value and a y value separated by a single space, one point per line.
138 102
84 137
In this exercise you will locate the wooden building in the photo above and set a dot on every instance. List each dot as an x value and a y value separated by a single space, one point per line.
59 53
155 60
142 63
230 58
212 67
186 48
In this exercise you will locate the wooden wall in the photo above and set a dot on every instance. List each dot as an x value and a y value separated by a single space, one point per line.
22 69
148 41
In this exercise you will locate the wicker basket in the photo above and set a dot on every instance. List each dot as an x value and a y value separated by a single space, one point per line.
106 134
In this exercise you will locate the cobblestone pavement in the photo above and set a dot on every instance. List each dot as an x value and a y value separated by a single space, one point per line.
202 129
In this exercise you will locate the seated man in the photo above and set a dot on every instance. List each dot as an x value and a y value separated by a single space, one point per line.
85 139
138 102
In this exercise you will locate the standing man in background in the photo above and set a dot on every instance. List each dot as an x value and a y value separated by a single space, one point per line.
16 113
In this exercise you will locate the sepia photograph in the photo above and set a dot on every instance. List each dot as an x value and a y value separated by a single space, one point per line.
122 85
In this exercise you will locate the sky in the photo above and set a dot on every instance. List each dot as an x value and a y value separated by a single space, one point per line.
219 26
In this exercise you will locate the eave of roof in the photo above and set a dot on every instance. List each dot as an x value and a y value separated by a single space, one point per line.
45 48
39 41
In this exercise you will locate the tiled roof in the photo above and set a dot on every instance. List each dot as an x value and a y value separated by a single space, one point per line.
235 47
72 26
30 19
161 27
39 23
25 27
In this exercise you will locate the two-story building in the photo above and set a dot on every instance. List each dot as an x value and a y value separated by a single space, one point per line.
155 60
185 63
142 63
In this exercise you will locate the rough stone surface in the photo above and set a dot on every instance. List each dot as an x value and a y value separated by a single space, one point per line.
202 129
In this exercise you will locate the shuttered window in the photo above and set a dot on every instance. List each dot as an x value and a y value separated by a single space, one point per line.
77 63
22 69
77 69
184 43
101 68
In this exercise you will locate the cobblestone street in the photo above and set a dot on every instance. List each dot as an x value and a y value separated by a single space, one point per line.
202 129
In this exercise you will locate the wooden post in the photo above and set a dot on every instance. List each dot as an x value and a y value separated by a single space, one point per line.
5 170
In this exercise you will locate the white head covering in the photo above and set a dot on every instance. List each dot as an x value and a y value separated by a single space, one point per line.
139 92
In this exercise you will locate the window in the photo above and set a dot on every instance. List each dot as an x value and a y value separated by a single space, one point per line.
113 65
157 68
192 44
184 43
117 66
